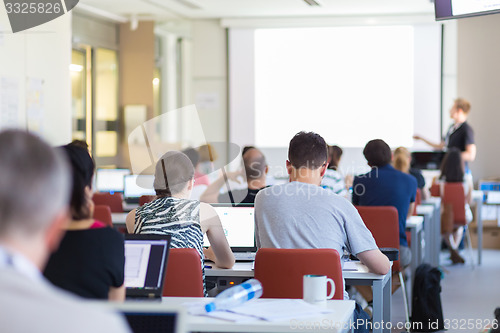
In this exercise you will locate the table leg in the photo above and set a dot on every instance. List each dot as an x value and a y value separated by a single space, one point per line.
382 304
436 236
479 208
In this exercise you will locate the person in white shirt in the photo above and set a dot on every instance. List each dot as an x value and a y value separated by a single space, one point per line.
34 194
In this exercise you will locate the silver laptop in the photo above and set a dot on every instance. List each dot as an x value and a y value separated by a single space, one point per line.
136 186
239 227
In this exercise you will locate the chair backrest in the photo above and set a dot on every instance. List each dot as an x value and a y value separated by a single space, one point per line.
281 270
454 195
383 223
418 201
114 201
144 199
435 190
103 213
183 277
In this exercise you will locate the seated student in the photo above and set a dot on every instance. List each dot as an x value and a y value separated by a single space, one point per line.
402 161
172 213
452 171
333 180
90 259
301 214
34 190
255 172
386 186
194 156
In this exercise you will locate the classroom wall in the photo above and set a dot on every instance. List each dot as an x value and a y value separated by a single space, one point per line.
478 73
209 77
35 78
137 63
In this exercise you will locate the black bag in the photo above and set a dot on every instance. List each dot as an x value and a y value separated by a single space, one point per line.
427 313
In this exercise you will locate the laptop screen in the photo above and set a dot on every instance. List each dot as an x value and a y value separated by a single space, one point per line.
144 317
145 264
136 186
239 226
110 180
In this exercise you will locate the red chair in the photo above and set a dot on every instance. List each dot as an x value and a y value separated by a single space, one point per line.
144 199
281 270
454 196
103 213
383 223
184 277
435 190
114 201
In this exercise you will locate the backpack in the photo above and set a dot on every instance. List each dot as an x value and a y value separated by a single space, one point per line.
427 313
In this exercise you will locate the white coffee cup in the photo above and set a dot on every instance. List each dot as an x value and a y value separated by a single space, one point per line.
314 289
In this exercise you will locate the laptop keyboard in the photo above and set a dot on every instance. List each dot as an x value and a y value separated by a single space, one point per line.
244 256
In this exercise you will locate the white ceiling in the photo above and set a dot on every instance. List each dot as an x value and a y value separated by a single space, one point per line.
167 9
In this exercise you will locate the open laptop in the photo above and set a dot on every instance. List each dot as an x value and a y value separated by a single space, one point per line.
239 227
110 180
136 186
145 265
152 317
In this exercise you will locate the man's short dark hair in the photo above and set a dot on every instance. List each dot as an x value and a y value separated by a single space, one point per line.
377 153
307 149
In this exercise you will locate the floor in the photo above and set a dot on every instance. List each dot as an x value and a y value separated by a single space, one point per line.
469 296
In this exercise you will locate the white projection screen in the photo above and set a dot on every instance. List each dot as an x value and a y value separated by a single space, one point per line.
349 84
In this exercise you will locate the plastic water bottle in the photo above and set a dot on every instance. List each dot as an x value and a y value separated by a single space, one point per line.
234 296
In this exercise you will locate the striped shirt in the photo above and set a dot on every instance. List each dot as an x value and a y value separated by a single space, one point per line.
179 218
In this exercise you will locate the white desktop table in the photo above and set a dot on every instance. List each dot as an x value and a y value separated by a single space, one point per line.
338 321
381 285
119 219
415 224
432 230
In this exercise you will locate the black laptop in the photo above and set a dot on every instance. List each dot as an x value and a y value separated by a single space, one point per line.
145 265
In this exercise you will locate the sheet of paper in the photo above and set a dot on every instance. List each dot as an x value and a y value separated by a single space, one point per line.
277 310
350 266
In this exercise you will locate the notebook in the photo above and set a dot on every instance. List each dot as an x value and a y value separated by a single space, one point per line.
136 186
145 265
152 318
239 226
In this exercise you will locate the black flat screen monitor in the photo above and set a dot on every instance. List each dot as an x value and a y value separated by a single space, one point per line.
451 9
427 160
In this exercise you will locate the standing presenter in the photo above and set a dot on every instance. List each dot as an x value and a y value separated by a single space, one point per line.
460 134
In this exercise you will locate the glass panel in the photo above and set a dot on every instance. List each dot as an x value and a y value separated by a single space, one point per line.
77 73
106 80
106 143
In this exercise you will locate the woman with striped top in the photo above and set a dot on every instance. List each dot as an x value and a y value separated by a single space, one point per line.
173 213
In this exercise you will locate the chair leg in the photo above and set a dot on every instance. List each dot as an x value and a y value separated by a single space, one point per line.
469 245
405 298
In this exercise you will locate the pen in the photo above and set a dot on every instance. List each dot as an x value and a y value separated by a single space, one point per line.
207 266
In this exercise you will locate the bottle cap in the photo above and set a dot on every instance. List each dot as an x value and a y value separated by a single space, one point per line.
210 307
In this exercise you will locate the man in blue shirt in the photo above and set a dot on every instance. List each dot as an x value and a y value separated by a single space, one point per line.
386 186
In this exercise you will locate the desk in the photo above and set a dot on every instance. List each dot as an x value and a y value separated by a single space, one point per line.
119 219
337 321
477 197
381 285
416 225
432 230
